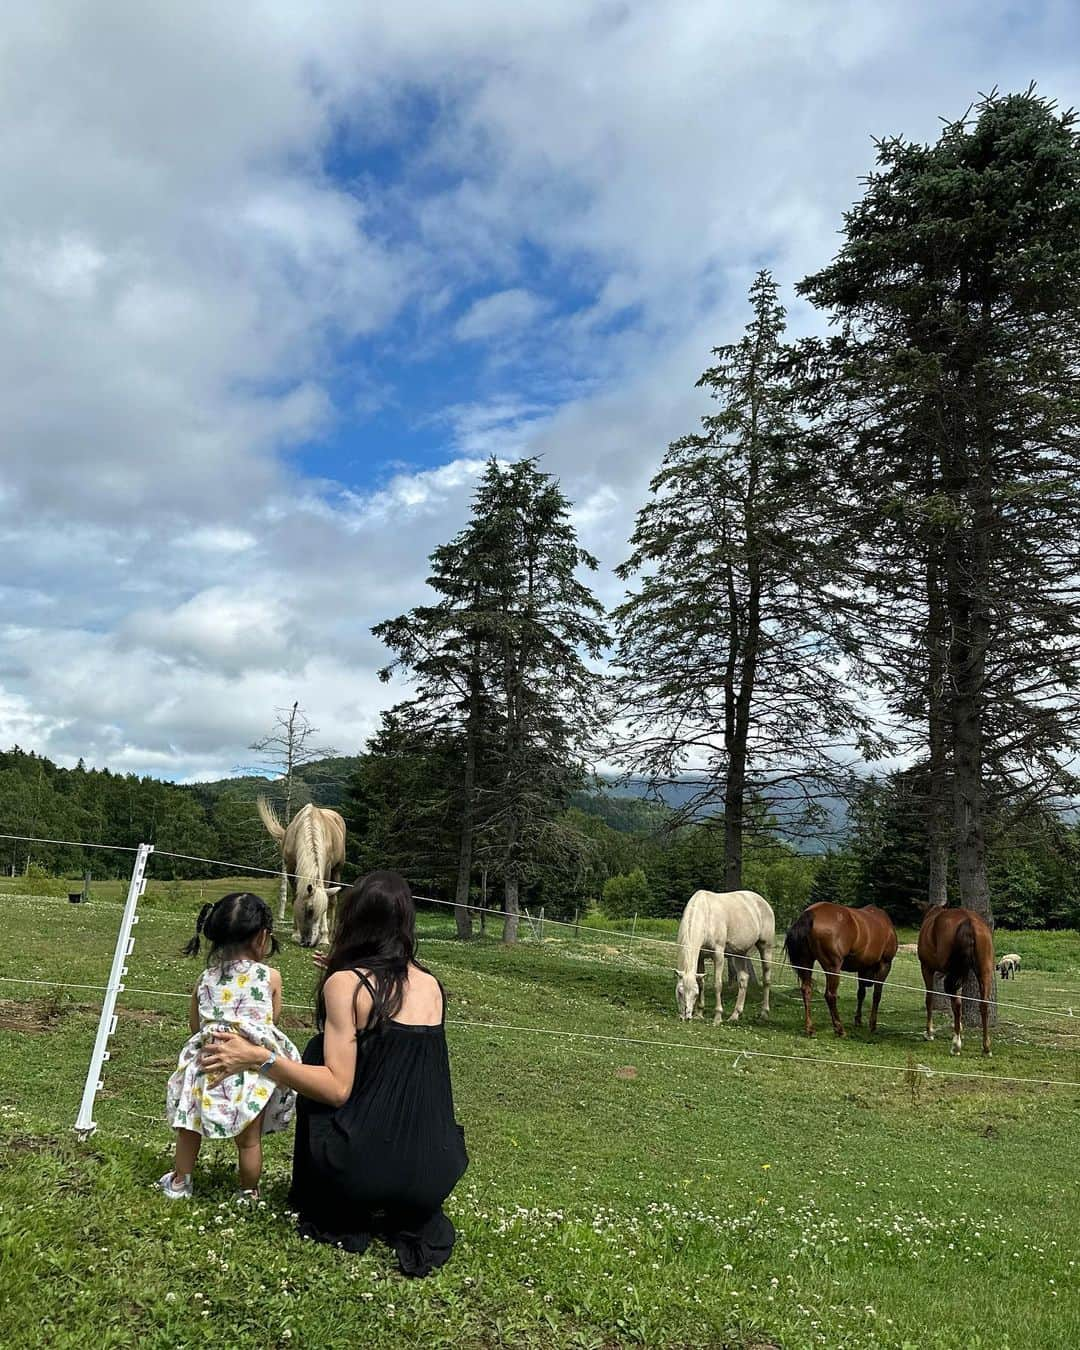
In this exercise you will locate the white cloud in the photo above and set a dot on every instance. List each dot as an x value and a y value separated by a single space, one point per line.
499 314
185 287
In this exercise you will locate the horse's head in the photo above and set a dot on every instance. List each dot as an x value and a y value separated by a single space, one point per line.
309 911
686 993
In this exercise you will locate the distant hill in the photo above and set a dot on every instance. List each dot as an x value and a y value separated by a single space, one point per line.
624 807
678 796
322 781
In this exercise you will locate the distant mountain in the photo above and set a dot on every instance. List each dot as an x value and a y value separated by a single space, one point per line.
627 808
322 781
677 796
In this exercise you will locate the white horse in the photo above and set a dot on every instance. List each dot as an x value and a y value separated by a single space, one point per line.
714 924
1009 966
313 851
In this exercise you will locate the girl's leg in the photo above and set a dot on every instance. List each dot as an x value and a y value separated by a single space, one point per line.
249 1149
187 1150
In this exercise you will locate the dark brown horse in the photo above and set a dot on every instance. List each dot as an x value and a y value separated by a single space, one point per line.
956 943
839 938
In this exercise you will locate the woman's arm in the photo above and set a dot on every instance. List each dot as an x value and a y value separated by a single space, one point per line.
330 1082
193 1019
275 995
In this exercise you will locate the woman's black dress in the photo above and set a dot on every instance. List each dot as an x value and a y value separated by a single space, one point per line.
382 1164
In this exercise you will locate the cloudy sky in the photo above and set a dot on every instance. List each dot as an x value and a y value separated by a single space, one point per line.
277 278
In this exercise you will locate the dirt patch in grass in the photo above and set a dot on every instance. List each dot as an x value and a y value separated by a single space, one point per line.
29 1143
31 1017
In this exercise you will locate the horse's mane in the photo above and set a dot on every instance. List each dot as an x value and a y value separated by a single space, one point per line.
690 936
310 848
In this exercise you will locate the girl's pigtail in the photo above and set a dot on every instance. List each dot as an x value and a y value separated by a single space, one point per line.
192 948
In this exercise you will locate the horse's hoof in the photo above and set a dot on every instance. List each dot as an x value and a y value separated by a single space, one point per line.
928 1035
954 1049
989 1054
840 1032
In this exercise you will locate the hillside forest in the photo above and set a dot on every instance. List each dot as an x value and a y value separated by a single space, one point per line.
633 856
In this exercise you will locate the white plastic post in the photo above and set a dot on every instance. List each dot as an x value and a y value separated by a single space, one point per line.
84 1121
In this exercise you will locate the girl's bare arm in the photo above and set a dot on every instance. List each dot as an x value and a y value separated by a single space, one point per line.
193 1020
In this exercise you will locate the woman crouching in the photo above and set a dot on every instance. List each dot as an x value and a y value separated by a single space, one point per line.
377 1147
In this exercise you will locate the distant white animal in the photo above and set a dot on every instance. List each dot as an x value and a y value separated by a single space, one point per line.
313 851
1009 966
714 924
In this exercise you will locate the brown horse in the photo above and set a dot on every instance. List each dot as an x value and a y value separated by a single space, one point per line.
956 943
839 938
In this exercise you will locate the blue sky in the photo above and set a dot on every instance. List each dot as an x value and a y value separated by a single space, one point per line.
274 290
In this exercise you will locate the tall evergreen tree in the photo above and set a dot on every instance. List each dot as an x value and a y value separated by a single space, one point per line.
954 384
500 675
442 647
548 623
731 649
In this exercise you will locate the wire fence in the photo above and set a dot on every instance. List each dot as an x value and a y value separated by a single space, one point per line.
251 869
740 1055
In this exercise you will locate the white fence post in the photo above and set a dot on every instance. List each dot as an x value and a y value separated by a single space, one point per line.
84 1122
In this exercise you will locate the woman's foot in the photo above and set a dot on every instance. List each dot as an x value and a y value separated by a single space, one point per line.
175 1187
247 1197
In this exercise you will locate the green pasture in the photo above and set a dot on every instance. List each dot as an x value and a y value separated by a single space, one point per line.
653 1186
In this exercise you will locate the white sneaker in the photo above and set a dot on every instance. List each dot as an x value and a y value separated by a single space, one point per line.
168 1188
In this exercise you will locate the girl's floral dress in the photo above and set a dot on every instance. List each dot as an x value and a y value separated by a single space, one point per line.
235 997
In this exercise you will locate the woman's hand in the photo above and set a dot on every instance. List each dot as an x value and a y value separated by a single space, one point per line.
319 960
228 1053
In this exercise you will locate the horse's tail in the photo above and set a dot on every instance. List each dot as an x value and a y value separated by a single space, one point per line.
268 816
797 945
964 954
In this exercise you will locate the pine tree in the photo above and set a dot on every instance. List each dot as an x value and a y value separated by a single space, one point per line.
501 680
442 647
954 384
546 625
731 648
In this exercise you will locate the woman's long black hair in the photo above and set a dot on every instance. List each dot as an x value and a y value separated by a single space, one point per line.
230 925
375 930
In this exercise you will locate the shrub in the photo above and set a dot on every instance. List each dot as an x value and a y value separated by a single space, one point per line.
628 893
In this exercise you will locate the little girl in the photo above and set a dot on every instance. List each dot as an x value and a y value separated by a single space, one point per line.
236 992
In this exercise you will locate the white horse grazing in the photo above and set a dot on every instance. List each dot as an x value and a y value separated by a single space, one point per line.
715 924
1009 966
313 851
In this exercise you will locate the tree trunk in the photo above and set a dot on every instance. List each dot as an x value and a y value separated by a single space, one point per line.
734 804
462 912
967 669
937 809
513 909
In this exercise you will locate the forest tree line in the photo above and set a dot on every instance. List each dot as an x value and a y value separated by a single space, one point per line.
641 859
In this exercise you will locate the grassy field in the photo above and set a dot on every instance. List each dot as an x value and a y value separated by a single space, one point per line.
621 1192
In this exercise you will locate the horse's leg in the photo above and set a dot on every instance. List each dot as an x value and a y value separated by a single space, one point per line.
832 985
699 1011
742 974
881 977
864 984
806 986
928 980
957 1018
765 949
985 989
718 976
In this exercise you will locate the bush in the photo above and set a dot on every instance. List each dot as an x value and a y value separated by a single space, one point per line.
628 894
39 880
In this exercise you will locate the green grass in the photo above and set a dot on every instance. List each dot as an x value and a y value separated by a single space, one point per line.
620 1193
